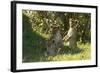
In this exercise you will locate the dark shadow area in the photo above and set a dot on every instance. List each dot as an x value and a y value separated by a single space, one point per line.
33 43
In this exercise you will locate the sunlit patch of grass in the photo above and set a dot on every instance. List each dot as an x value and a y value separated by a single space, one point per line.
68 55
46 36
84 54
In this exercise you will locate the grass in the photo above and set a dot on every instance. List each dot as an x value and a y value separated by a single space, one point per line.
34 47
80 53
36 51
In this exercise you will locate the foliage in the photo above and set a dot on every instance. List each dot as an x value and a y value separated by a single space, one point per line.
43 20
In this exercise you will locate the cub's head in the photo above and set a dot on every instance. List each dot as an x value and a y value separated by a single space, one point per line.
73 22
54 29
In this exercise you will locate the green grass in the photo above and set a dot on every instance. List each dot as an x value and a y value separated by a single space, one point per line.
80 53
34 47
36 51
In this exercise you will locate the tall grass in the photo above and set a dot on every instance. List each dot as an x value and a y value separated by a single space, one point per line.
38 54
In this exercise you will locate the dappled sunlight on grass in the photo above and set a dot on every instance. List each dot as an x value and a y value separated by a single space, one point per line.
81 53
84 54
42 35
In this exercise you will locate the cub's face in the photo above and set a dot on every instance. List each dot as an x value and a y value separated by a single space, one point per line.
73 22
55 29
